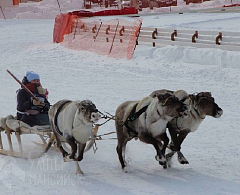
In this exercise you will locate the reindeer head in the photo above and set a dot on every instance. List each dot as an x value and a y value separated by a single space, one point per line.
205 104
89 111
172 106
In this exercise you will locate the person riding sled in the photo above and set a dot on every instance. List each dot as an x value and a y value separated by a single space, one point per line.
29 110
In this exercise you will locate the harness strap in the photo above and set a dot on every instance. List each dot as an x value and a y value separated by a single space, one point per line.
132 117
21 112
56 115
196 110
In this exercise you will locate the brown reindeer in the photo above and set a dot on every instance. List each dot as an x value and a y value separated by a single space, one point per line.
201 105
147 120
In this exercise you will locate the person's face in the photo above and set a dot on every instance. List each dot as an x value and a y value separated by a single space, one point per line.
35 81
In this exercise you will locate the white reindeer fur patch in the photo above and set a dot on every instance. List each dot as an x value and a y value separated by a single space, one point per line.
156 124
82 133
73 123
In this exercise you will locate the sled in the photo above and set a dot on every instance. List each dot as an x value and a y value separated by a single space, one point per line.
11 126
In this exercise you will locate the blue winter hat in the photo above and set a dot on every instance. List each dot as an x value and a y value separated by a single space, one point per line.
32 75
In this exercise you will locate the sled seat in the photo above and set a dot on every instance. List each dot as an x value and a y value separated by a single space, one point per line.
10 125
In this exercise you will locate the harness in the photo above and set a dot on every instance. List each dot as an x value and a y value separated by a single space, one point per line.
56 115
132 117
195 109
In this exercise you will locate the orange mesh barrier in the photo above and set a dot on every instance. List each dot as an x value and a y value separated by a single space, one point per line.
63 25
116 38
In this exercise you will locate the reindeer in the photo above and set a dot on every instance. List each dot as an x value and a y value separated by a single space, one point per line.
72 122
201 105
147 120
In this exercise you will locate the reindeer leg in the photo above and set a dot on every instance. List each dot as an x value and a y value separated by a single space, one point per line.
121 148
147 138
181 158
71 141
59 145
121 145
177 141
81 148
169 158
163 137
182 136
174 145
78 169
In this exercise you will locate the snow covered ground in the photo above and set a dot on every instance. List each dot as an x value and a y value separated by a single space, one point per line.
213 150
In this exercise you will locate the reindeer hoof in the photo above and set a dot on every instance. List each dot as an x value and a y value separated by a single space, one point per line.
79 172
67 159
169 155
165 166
183 161
169 162
161 161
125 170
78 159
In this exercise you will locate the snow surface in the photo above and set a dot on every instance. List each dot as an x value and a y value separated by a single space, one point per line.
213 150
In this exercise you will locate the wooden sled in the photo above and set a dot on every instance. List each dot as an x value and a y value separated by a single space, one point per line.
11 126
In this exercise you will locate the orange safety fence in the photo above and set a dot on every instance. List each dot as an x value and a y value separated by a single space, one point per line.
115 38
63 25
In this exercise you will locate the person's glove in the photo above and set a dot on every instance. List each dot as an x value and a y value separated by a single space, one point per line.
38 102
43 92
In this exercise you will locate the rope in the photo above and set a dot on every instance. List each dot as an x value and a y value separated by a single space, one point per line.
103 122
111 117
99 137
95 147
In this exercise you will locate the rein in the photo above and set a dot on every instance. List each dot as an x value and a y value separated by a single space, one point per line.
131 117
99 137
106 117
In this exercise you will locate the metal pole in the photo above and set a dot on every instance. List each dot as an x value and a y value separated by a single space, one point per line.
59 7
2 12
113 38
